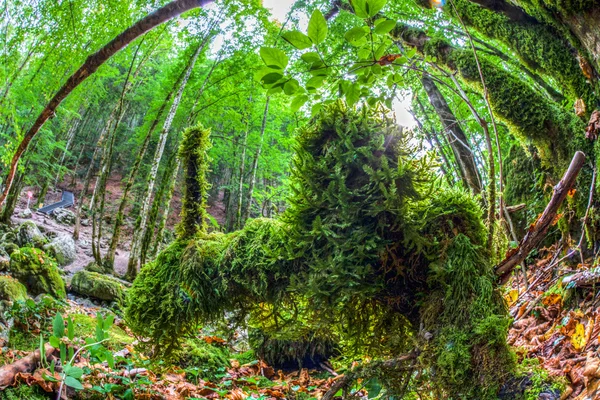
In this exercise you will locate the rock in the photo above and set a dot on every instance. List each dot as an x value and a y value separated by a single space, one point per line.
62 247
9 248
4 262
85 222
29 234
38 272
64 216
11 289
26 213
98 286
9 237
94 267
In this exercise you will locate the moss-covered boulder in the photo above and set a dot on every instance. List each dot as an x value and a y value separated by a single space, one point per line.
29 234
62 247
38 272
98 286
11 289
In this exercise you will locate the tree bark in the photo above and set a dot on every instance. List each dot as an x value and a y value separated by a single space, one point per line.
26 364
254 167
456 136
90 66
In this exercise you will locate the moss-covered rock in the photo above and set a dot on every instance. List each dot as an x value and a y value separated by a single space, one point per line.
9 247
98 286
38 272
11 289
29 234
62 247
94 267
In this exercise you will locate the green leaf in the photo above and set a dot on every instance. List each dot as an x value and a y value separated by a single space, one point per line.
54 342
360 8
315 82
353 94
58 326
110 360
316 108
317 27
297 39
373 388
70 328
355 34
274 58
291 87
385 27
74 383
411 52
374 6
63 352
75 372
298 102
108 321
310 57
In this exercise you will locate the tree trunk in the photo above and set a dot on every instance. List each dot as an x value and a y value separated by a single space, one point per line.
254 168
90 66
109 259
456 136
139 235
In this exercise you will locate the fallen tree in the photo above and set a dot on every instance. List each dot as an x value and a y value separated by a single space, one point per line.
26 364
378 253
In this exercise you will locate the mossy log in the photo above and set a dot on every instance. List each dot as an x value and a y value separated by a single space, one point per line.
372 247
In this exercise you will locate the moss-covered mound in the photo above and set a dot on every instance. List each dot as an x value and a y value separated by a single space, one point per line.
97 286
371 246
38 272
11 289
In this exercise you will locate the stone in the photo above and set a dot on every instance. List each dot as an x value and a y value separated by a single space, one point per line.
94 267
11 289
8 248
38 272
26 213
97 286
29 234
9 237
85 222
64 216
62 247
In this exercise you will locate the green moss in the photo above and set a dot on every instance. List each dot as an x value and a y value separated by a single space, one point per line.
23 340
370 247
85 326
11 289
24 392
209 359
537 45
195 160
98 286
37 272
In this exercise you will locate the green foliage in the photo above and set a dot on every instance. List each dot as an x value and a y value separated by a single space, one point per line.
23 392
38 272
209 360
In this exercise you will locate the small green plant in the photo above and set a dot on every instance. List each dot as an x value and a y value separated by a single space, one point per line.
65 341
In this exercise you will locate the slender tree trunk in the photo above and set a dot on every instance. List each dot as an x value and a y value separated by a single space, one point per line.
255 164
90 66
42 196
70 136
160 230
458 140
109 259
139 235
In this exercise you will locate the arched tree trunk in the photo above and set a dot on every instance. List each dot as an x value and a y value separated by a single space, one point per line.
90 66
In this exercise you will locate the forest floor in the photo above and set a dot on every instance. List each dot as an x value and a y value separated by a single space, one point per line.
556 327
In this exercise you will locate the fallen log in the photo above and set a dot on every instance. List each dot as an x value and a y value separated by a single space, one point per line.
26 364
518 207
538 230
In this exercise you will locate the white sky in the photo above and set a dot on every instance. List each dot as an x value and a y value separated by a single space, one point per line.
279 10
